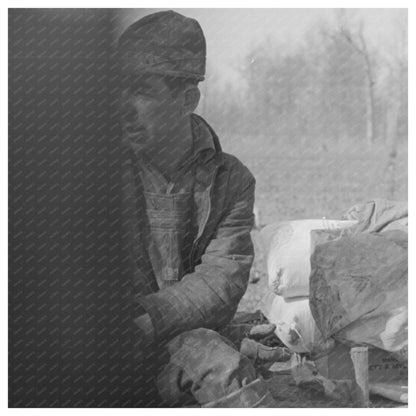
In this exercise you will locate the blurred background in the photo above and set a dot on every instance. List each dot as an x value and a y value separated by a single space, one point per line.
313 101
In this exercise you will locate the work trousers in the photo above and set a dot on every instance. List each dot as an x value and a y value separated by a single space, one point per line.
201 368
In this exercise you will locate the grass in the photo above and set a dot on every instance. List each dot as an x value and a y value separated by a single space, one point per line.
303 181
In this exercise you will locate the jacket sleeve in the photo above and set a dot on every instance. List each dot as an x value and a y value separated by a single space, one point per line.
209 296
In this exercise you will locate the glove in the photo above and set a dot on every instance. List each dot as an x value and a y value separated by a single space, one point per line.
260 345
143 337
147 331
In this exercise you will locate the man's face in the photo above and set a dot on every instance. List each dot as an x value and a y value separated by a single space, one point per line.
149 111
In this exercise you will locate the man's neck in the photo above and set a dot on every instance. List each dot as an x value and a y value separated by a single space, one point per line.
177 147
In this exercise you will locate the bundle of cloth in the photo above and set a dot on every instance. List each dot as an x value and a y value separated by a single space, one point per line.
340 280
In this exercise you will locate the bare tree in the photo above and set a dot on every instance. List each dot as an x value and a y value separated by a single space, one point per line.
391 133
358 41
396 103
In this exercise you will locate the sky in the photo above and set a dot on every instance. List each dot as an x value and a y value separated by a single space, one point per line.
230 33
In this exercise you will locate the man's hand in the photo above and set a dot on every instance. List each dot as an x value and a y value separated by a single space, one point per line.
144 336
146 328
257 345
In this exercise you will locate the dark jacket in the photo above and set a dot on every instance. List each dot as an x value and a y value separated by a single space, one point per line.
209 292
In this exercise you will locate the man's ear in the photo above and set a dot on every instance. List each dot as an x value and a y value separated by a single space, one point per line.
191 99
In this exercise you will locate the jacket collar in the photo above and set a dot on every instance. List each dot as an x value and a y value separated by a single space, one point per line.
206 140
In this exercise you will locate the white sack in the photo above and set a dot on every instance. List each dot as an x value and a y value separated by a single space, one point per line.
288 249
294 322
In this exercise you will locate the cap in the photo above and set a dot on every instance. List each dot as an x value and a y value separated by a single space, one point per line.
165 43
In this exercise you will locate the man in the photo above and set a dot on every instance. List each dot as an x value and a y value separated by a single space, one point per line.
188 210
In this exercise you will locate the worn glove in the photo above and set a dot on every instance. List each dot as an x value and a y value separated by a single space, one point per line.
144 336
260 345
255 338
